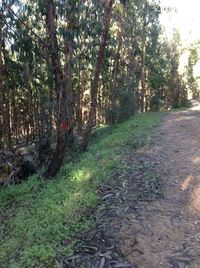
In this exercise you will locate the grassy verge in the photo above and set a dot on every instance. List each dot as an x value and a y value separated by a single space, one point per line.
40 220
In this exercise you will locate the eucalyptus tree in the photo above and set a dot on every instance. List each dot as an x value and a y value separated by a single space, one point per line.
192 62
108 5
7 79
70 65
61 92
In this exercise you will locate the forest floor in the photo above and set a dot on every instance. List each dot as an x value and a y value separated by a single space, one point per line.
151 211
136 191
42 222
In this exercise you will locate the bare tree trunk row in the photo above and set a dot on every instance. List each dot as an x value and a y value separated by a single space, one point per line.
94 86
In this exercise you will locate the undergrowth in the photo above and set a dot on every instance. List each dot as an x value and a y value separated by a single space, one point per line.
40 221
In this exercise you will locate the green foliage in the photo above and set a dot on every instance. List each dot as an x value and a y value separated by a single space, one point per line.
126 106
40 220
135 36
192 79
155 103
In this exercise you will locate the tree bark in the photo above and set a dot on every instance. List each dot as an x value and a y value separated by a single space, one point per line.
115 74
143 76
5 95
68 70
79 119
50 94
94 85
62 129
1 85
132 68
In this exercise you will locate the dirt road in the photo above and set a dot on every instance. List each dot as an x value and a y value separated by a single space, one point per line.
150 211
165 232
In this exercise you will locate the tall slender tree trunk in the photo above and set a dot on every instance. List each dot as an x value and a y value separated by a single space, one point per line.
94 85
143 86
132 68
68 82
50 95
62 129
1 85
6 96
143 77
115 74
68 71
79 97
8 121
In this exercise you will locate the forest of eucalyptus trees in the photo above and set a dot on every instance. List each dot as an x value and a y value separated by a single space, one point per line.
69 66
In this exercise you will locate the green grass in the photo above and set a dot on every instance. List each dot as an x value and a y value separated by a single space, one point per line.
40 220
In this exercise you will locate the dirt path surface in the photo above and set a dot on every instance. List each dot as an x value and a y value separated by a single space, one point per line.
166 231
149 216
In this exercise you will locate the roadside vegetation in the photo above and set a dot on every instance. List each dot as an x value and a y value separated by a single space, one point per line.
41 220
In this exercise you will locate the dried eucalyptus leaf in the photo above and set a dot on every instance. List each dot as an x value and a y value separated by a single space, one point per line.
102 263
107 196
106 255
123 265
